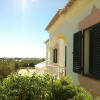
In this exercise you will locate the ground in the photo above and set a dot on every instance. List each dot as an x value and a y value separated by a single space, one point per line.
26 71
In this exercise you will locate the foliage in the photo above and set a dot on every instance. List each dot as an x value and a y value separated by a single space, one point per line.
1 78
64 89
6 67
16 66
17 87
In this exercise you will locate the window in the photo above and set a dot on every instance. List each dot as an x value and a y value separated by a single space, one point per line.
86 52
55 55
95 51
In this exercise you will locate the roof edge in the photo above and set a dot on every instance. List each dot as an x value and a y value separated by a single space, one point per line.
46 41
59 13
53 19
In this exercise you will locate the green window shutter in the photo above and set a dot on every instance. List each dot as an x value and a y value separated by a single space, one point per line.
56 55
77 40
95 51
65 56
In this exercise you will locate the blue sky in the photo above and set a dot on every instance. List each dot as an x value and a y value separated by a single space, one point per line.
22 26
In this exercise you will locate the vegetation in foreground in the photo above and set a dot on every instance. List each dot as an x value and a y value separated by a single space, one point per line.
17 87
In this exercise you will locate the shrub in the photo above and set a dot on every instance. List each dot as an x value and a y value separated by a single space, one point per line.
63 89
1 77
17 87
16 67
6 67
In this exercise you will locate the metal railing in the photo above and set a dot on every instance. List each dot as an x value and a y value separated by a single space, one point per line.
56 71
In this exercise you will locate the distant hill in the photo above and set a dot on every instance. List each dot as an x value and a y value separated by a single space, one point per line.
31 59
22 59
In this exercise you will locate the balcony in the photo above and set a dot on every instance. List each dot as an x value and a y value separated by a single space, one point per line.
56 71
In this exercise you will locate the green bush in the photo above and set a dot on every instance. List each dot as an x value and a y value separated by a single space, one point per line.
6 67
17 87
1 79
64 89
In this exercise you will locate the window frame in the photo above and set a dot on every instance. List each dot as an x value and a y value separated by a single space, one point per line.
83 67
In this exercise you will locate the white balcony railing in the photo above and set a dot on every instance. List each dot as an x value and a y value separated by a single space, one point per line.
56 71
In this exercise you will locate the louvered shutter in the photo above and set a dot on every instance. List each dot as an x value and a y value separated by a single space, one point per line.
56 55
53 55
77 52
65 56
95 53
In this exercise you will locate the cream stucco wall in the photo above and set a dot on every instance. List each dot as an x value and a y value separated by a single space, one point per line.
47 54
68 28
60 45
62 53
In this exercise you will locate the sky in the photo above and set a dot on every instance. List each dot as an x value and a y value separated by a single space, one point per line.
22 26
